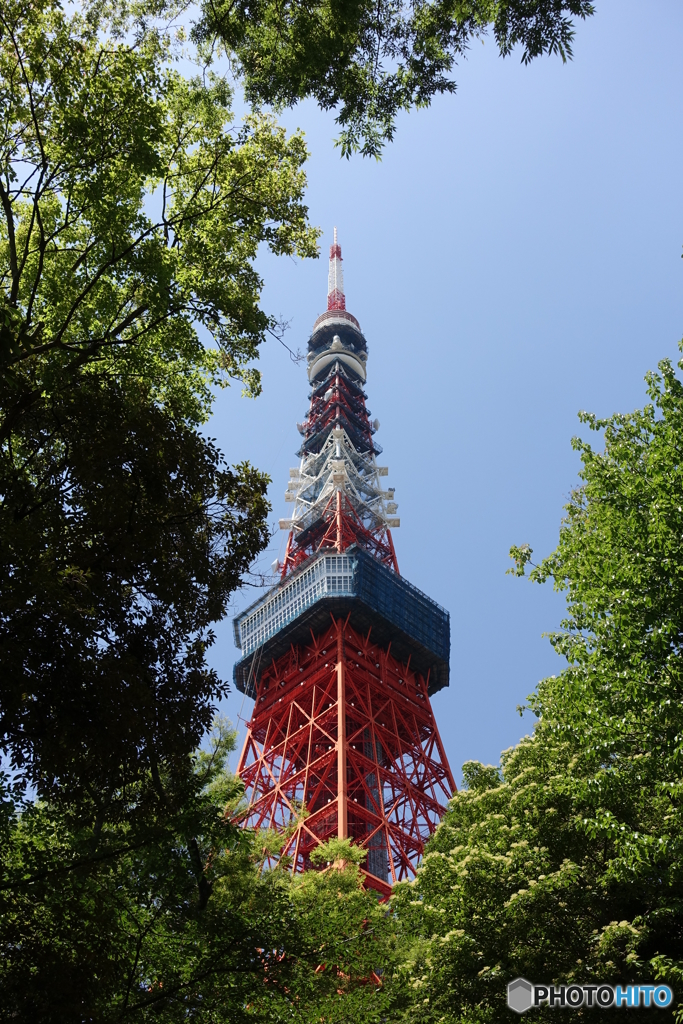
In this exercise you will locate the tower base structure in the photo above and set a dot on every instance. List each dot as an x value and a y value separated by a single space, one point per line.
343 742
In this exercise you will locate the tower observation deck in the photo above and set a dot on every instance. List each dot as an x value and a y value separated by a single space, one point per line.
343 654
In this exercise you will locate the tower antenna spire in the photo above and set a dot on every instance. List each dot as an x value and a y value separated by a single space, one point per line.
335 282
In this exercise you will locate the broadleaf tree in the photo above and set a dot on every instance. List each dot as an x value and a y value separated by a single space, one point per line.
119 923
179 921
565 865
132 209
369 61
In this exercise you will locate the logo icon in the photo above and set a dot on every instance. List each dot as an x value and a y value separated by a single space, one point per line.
520 995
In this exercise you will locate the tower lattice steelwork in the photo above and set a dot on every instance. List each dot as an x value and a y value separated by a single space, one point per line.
343 654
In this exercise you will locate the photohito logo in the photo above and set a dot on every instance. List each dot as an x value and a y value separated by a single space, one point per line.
523 996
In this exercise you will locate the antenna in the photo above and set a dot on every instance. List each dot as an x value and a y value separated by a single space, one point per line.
335 282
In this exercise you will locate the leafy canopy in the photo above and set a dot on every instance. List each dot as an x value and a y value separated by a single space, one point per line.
131 210
368 60
566 864
178 920
114 921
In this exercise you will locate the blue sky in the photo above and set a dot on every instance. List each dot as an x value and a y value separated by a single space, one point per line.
515 257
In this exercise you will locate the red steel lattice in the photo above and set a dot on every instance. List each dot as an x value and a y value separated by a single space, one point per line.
337 529
344 730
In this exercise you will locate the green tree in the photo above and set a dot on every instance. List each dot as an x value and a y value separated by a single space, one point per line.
343 970
132 209
368 60
130 920
566 864
177 919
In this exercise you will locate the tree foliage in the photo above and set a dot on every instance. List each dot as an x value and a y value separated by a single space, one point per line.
108 921
347 934
173 918
566 865
132 209
368 60
132 206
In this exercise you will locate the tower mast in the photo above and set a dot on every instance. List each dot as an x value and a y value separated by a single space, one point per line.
336 490
343 655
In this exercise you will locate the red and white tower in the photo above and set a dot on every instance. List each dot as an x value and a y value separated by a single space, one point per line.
343 654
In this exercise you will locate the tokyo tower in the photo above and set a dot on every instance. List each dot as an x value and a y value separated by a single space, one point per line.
343 655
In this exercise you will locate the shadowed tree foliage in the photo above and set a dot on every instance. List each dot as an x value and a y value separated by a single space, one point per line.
123 535
136 919
132 208
176 920
567 864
